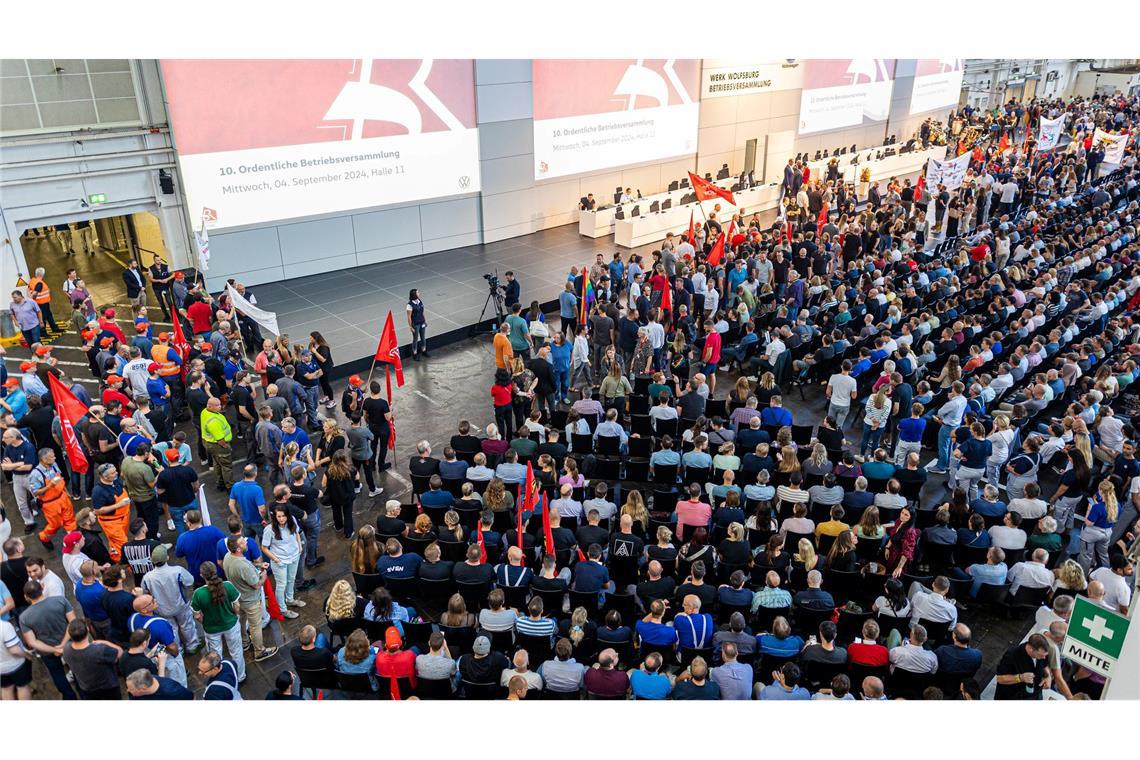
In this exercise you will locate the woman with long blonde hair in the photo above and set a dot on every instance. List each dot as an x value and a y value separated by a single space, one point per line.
1000 439
805 555
1082 442
818 463
635 507
342 603
1069 576
788 461
1099 523
364 551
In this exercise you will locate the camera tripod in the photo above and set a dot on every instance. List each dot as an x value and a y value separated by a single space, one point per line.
496 298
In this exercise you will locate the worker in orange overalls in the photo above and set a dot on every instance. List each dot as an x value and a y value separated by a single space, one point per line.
112 507
46 483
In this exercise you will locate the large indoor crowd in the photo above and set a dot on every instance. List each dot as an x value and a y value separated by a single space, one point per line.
644 508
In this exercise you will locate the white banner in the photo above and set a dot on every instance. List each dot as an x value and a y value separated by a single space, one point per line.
203 239
203 506
723 78
949 173
1113 145
266 319
1049 132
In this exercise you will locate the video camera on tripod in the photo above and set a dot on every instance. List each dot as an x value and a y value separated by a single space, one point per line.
495 297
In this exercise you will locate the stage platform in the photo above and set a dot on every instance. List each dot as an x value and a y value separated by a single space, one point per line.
348 306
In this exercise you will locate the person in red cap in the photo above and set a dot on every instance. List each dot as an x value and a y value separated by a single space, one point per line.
107 324
395 663
46 483
352 400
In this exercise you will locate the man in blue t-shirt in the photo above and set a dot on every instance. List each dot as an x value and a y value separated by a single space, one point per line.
648 682
592 576
247 501
161 634
198 544
396 564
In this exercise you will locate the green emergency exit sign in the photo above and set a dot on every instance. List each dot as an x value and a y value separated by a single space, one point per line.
97 198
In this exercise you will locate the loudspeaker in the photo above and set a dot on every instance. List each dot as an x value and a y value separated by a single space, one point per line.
166 182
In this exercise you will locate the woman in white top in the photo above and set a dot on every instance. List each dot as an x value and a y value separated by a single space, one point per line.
1001 439
282 543
875 420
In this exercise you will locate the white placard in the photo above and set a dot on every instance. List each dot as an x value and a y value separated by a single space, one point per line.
725 78
950 173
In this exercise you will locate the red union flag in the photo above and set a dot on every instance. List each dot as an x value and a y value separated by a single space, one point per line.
388 352
706 190
179 343
70 410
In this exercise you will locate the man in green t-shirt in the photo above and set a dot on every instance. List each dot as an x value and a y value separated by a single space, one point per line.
216 606
139 473
520 333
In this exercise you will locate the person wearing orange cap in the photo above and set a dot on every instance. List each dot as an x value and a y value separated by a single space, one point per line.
395 664
143 340
114 391
46 483
16 401
112 508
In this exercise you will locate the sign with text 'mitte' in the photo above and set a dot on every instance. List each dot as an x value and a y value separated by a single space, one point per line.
1096 636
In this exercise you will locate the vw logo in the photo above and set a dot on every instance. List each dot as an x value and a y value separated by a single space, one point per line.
464 181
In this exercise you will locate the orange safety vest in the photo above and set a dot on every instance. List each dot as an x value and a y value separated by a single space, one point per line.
39 296
166 368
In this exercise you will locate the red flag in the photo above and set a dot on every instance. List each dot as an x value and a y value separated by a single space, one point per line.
388 352
717 252
1003 143
667 297
706 190
581 555
179 343
919 186
271 601
547 535
70 411
479 538
692 230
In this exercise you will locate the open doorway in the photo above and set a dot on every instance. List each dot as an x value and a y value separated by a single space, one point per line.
98 249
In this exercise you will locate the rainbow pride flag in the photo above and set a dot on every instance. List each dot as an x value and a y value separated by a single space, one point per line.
586 299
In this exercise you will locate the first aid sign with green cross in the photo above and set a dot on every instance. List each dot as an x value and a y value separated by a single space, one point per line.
1095 637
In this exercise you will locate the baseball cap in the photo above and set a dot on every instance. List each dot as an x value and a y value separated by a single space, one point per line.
109 313
112 379
159 554
171 455
355 380
107 341
392 639
180 275
164 336
71 539
306 352
43 350
481 646
87 334
206 347
27 366
12 382
142 327
152 367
